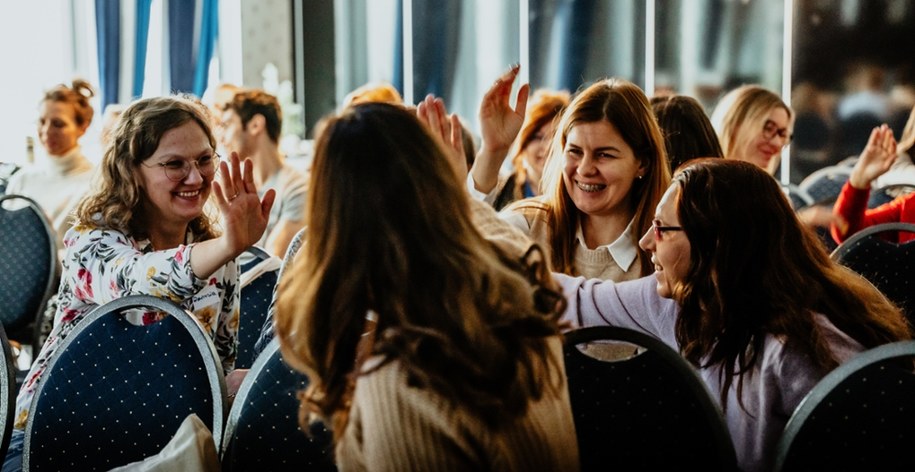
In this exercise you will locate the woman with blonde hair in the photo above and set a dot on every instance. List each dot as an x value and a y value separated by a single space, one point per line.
427 346
753 125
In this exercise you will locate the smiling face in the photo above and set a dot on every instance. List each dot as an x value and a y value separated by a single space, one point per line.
761 143
599 169
57 128
169 202
670 248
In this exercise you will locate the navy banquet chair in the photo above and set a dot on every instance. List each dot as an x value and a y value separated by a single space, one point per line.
7 392
258 281
28 260
890 266
859 417
116 393
263 432
649 412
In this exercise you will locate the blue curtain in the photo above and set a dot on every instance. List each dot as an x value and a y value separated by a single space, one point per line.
181 45
398 50
108 34
142 38
189 65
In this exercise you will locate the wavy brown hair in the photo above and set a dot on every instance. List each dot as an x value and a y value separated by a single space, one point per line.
757 271
115 202
624 105
387 232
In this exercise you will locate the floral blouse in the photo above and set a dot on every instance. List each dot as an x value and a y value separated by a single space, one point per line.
102 265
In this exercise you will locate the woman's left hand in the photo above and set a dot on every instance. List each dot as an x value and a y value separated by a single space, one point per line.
244 214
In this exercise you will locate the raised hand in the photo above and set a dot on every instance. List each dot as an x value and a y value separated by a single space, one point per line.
244 214
877 157
499 125
446 129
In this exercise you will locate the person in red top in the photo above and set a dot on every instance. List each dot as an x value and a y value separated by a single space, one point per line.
851 210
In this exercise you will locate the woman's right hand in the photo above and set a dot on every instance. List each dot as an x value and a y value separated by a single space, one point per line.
499 126
876 159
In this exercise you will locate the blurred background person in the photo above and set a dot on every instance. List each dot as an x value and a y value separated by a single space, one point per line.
687 131
753 125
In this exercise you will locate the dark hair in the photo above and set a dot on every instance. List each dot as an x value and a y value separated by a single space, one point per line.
249 103
77 94
384 213
115 201
756 270
688 133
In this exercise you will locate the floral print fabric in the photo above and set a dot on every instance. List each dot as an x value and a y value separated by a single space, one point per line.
102 265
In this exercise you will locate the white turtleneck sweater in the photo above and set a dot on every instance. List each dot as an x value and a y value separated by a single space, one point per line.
57 185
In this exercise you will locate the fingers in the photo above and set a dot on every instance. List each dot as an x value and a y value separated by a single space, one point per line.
523 94
221 199
267 203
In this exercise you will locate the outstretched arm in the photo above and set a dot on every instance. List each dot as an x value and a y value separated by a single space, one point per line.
500 124
244 217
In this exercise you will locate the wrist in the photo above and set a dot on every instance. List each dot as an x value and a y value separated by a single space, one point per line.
858 181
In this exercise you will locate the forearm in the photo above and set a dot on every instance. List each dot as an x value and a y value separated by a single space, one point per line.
486 166
208 256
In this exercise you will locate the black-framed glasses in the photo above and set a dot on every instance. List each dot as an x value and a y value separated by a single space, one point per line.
771 130
660 229
178 169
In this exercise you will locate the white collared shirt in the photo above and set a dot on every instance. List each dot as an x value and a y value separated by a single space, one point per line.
621 250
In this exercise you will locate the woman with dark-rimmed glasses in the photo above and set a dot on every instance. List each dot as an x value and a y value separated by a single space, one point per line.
143 231
754 124
746 294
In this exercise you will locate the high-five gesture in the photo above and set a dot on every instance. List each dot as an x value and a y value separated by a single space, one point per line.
500 124
446 129
877 157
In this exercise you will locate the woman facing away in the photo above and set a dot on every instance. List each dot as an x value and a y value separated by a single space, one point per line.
606 172
58 184
143 231
688 133
753 125
881 156
746 294
427 346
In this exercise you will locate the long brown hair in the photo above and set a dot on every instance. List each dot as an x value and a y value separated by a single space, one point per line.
387 232
116 201
756 270
624 105
688 133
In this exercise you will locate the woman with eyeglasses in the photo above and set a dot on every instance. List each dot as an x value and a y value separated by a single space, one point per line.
753 125
143 230
745 294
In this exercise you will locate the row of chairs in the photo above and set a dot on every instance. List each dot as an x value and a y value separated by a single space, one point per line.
117 392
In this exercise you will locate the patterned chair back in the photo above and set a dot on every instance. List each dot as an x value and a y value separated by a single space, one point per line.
825 185
7 392
888 193
649 412
890 266
858 417
263 432
28 260
116 393
266 332
256 296
798 198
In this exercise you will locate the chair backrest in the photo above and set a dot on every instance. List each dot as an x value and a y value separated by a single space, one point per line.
266 333
649 412
7 169
7 392
256 296
825 185
28 260
116 393
888 265
888 193
798 198
263 432
859 417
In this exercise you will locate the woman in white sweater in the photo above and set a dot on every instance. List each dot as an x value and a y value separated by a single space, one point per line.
58 184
